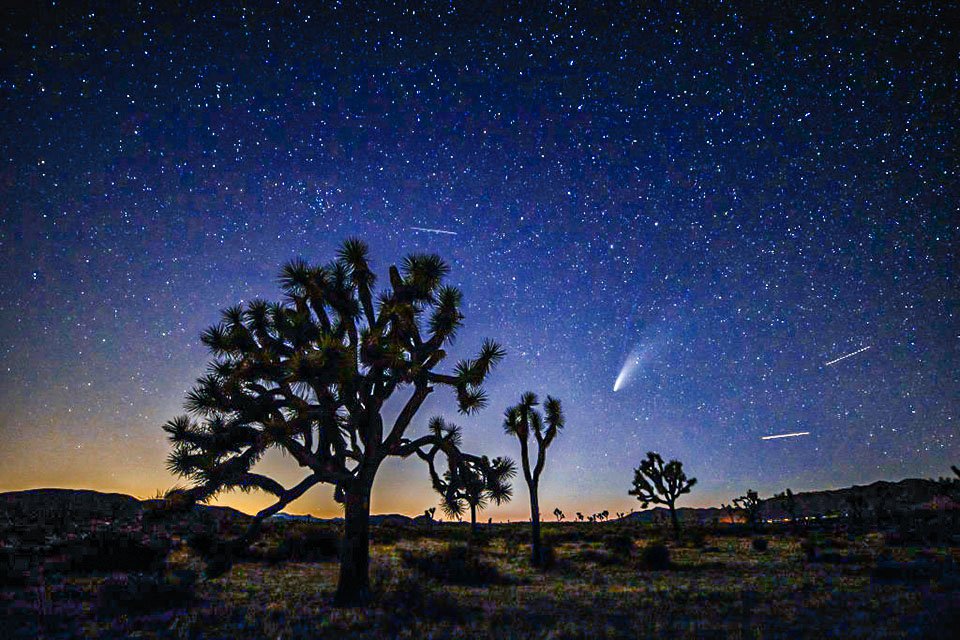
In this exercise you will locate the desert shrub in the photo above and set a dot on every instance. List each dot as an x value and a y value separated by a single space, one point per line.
655 557
408 597
695 538
480 539
887 570
115 551
563 534
138 592
219 562
455 564
202 542
619 544
549 555
14 567
307 543
598 556
760 544
514 545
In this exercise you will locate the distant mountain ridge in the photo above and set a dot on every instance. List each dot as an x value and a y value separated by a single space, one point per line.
86 503
903 494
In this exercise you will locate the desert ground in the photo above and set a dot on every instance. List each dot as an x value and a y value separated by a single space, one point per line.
604 580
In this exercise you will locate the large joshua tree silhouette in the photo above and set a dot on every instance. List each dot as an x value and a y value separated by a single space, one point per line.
310 376
751 505
469 482
520 421
659 483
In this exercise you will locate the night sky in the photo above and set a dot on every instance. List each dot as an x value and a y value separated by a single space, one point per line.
722 198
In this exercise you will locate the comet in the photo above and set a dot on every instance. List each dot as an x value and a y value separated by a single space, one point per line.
429 230
849 355
786 435
638 356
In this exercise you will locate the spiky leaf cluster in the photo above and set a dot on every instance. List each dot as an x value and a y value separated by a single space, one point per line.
658 483
468 480
310 374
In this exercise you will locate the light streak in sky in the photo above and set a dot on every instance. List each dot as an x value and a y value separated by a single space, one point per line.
631 366
428 230
849 355
786 435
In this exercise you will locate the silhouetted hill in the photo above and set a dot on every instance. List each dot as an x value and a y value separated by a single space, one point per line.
892 496
47 504
81 505
387 519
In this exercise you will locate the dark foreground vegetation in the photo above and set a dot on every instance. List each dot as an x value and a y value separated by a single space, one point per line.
128 571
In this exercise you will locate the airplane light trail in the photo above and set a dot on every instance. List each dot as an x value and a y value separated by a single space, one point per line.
849 355
428 230
786 435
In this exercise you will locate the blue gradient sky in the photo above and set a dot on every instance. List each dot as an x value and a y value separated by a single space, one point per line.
742 193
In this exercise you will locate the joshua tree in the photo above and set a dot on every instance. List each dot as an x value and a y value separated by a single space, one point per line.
470 482
857 506
789 503
579 516
520 421
311 375
605 514
558 514
949 487
729 509
659 483
430 513
751 504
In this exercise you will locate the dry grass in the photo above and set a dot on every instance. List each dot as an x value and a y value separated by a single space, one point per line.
726 589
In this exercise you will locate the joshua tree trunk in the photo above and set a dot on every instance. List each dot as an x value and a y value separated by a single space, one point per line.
473 519
353 587
537 558
676 523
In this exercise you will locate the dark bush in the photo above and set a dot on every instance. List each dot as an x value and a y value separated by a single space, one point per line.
696 538
202 542
480 539
549 556
655 557
411 598
759 544
115 551
598 556
456 564
137 592
619 544
308 543
15 567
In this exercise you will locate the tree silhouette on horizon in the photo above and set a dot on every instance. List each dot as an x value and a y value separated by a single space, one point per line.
659 483
751 505
310 376
520 421
469 482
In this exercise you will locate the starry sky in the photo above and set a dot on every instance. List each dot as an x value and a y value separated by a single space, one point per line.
723 197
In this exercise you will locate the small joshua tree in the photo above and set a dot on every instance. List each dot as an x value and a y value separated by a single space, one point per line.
750 503
659 483
949 487
579 516
310 375
730 510
430 513
469 482
521 421
558 514
789 504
